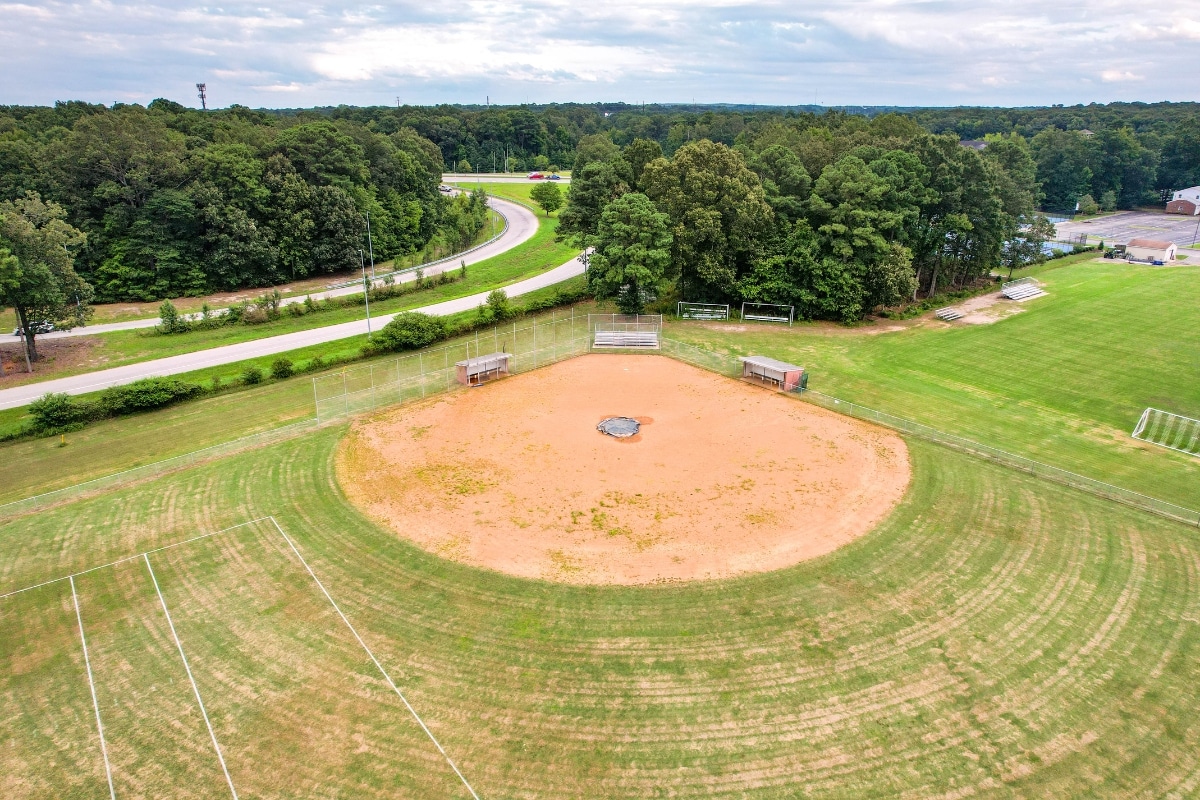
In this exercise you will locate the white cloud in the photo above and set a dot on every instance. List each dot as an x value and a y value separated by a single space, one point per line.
902 52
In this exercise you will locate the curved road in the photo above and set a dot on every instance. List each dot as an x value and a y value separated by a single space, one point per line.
174 365
522 225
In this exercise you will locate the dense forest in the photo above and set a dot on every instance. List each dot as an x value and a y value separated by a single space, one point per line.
833 220
163 200
170 201
1122 154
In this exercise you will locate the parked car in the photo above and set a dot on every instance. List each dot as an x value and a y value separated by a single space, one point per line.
444 189
553 178
536 176
38 327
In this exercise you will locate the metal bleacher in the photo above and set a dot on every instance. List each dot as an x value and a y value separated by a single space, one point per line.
626 339
948 314
1022 289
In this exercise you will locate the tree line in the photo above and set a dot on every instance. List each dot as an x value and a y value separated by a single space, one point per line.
833 221
169 201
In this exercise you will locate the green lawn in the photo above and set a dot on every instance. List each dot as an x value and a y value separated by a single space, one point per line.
994 636
1063 382
531 258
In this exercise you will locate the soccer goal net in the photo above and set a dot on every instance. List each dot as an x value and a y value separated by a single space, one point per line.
767 312
1169 430
702 311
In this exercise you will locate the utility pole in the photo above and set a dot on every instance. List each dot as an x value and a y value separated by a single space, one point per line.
202 88
370 246
366 295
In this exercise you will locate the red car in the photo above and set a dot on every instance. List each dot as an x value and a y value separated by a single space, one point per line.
536 176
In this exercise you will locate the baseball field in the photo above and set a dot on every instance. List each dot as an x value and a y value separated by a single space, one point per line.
480 595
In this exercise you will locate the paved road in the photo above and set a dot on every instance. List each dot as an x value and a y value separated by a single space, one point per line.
522 225
94 381
470 177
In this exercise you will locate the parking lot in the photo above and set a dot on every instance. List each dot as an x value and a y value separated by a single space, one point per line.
1121 227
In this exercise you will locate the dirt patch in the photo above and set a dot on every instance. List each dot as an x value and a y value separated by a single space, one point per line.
729 478
57 355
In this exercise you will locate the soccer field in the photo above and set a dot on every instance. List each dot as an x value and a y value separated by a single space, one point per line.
994 634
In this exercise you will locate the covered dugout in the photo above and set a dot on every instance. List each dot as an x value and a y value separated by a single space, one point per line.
475 371
788 377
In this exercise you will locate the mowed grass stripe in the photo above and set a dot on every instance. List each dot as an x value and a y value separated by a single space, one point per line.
48 743
290 694
933 654
158 744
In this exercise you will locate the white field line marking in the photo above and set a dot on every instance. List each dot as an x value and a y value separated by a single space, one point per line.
131 558
378 666
92 686
188 669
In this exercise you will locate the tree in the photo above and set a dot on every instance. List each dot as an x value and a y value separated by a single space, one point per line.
1088 205
591 149
718 212
638 154
548 196
592 189
38 280
633 252
1025 247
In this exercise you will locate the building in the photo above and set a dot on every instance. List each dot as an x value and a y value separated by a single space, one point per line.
1185 201
973 144
1150 250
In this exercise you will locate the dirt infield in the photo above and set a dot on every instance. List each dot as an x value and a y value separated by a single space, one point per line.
724 477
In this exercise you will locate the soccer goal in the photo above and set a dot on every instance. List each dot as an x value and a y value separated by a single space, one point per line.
702 311
1169 430
768 312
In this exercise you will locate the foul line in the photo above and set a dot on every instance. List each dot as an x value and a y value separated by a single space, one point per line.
131 558
92 686
378 666
188 669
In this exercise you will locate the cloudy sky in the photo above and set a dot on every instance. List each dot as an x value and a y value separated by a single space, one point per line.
834 52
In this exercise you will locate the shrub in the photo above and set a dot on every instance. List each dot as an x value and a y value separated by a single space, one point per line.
411 330
146 395
254 316
317 363
282 368
252 376
498 307
169 319
54 412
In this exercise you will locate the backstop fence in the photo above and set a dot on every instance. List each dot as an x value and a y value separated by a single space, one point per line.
530 343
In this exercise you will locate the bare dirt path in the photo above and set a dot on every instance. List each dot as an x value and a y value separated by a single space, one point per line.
724 477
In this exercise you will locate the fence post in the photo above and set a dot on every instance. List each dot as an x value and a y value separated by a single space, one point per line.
421 365
535 357
316 402
345 393
446 365
374 402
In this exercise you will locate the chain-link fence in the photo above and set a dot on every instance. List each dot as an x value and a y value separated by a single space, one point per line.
729 365
530 344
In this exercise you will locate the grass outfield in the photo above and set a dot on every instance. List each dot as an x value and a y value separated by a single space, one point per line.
995 635
1063 382
539 254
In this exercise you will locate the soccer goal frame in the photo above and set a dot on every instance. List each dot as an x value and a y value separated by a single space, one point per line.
702 310
768 312
1172 431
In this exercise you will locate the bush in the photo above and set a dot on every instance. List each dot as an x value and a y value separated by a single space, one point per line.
411 330
282 368
146 395
252 376
254 316
497 304
54 412
169 319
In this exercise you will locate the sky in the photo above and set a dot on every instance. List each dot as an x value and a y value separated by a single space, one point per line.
830 52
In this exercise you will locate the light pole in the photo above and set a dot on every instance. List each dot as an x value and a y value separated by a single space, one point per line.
1196 232
366 294
370 247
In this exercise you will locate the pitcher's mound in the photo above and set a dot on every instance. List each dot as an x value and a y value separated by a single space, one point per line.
721 478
